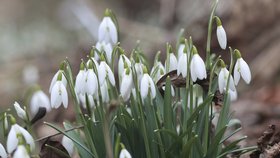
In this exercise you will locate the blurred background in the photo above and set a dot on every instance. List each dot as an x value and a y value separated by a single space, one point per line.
36 35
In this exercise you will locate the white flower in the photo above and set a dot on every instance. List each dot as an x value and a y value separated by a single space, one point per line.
182 67
20 112
222 37
172 63
80 82
3 153
21 152
222 80
181 50
64 80
139 71
198 69
233 95
59 95
12 140
124 154
157 71
121 67
127 84
91 85
147 85
68 145
105 71
107 31
107 48
242 68
82 98
39 99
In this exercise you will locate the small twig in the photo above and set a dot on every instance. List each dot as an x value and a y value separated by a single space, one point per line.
58 133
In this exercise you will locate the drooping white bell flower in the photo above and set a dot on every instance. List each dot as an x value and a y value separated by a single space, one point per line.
173 63
139 70
20 111
147 85
221 34
242 69
68 145
91 83
107 48
104 71
157 71
223 78
82 98
181 50
64 80
182 67
80 80
21 152
12 139
127 84
123 60
198 69
124 154
104 92
107 31
59 94
39 99
3 153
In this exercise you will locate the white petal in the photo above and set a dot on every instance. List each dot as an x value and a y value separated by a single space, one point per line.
68 144
193 70
110 75
44 100
221 81
53 81
222 37
108 50
121 63
233 95
173 62
104 93
91 84
181 50
55 95
126 86
64 96
80 82
113 31
28 138
21 152
245 71
200 69
236 72
144 88
124 154
20 112
12 140
102 31
153 88
102 72
231 83
182 65
3 153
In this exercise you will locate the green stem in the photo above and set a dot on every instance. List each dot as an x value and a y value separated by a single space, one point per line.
208 62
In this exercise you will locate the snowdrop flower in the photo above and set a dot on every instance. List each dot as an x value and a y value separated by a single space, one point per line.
39 99
20 112
139 70
105 71
242 69
107 48
91 83
64 81
198 69
82 98
12 140
147 85
123 60
21 152
181 49
126 84
182 67
3 153
233 95
107 30
157 71
223 78
68 145
124 154
221 34
80 80
59 93
172 63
